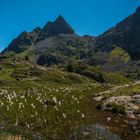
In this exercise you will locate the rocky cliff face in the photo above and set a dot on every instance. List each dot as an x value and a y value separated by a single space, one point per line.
27 39
23 41
126 35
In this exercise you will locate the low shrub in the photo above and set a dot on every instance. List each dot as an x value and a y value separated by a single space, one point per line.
116 108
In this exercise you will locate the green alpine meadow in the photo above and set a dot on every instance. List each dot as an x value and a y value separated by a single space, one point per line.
56 84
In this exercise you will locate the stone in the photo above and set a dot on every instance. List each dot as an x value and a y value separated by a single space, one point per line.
99 98
137 132
131 116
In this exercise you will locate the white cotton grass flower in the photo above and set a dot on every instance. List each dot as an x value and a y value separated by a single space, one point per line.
108 119
22 97
36 113
32 115
45 120
21 105
8 108
64 115
2 103
83 115
28 126
78 111
56 108
33 106
16 123
72 96
55 99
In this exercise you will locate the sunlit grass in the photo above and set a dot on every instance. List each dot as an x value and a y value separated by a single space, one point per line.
23 103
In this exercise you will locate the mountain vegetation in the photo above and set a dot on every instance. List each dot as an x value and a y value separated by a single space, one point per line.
53 80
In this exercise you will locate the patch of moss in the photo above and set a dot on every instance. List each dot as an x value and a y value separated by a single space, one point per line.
119 54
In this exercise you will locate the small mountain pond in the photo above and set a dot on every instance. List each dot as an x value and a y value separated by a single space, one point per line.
83 132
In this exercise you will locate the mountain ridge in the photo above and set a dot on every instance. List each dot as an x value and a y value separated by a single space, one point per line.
59 39
125 34
26 39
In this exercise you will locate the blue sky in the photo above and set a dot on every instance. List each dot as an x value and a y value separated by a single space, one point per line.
85 16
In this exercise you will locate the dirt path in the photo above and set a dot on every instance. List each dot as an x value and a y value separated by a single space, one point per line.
119 87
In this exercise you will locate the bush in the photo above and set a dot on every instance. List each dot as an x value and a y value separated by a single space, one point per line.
93 73
86 70
26 57
116 108
99 105
115 78
70 67
119 55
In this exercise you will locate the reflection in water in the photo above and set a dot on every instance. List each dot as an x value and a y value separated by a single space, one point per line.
83 132
19 137
93 132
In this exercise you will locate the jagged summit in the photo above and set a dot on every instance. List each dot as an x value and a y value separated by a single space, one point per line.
138 10
26 39
60 18
59 26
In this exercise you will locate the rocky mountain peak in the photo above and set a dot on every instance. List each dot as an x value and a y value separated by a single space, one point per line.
60 19
59 26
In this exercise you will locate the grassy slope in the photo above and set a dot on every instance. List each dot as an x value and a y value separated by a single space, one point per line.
23 90
116 78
